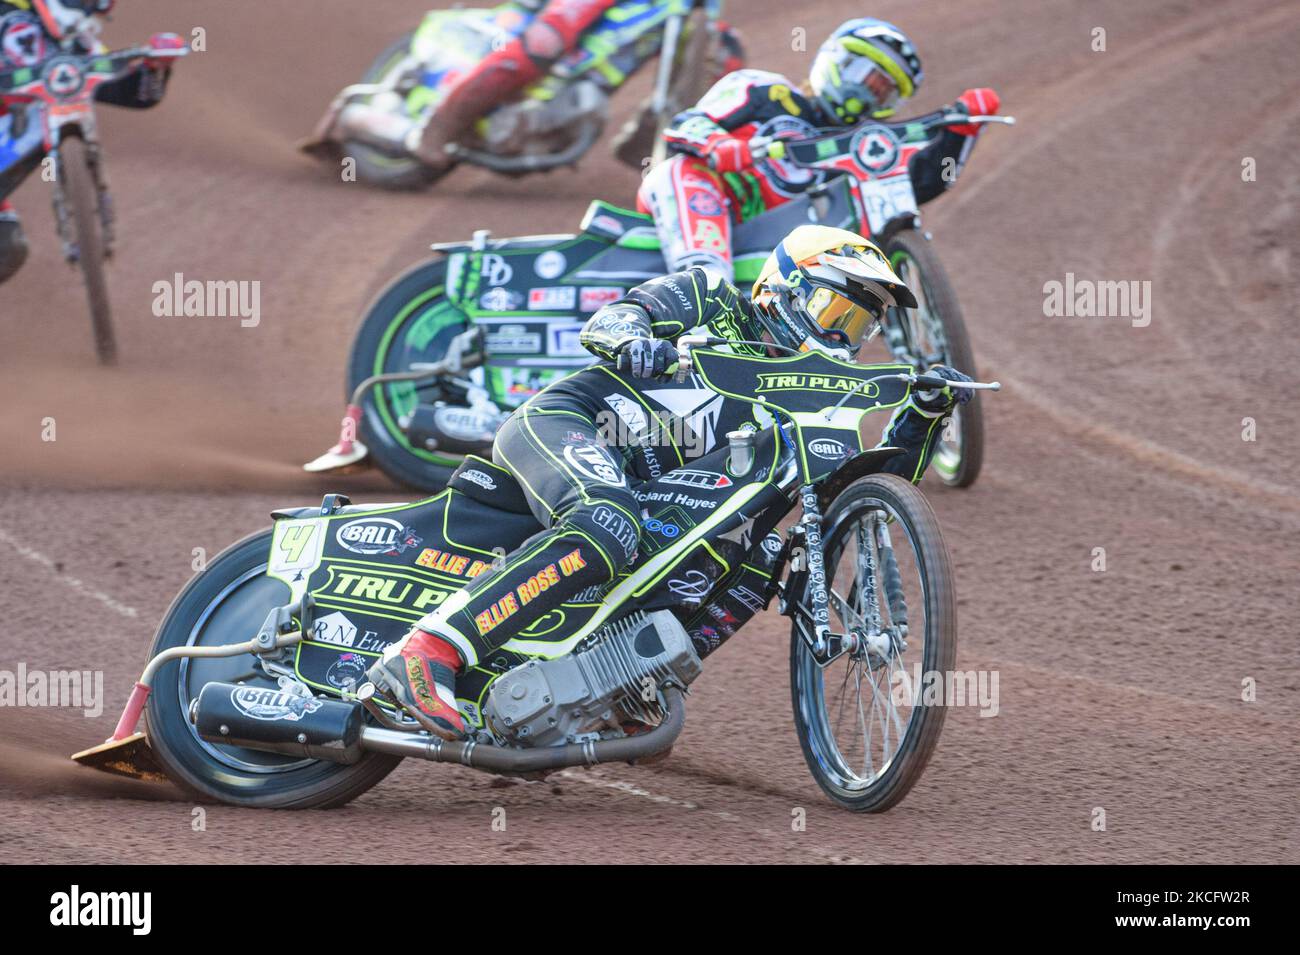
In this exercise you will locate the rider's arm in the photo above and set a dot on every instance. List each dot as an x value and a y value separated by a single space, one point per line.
917 432
936 167
739 99
917 424
662 308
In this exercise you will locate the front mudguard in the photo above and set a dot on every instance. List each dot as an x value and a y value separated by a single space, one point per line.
860 465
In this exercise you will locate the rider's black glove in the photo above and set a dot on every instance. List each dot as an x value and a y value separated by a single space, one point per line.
940 400
646 357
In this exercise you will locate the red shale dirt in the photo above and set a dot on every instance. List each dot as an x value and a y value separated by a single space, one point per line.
1120 690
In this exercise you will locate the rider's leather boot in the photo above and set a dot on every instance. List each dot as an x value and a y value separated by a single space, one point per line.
419 674
13 244
494 79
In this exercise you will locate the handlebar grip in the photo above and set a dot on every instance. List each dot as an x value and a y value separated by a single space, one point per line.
928 382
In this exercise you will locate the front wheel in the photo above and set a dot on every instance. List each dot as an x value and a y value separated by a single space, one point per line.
411 322
935 332
82 208
868 722
226 603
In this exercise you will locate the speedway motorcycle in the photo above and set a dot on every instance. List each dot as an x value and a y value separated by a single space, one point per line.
556 119
51 123
255 690
528 298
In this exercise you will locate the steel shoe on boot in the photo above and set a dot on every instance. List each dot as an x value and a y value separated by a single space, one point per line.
419 675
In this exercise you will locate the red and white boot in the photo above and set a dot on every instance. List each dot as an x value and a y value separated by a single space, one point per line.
418 673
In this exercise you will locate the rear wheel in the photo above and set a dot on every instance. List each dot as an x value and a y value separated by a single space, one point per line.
935 332
226 603
396 168
87 229
865 726
411 322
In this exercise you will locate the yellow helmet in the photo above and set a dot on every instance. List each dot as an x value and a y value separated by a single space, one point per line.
824 288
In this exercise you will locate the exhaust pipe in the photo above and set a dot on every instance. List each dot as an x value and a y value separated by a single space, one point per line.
270 720
381 128
499 759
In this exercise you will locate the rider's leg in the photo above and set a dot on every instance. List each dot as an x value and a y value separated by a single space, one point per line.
577 488
689 203
506 71
13 244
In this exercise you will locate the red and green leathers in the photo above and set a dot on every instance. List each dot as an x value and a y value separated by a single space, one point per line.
503 73
710 182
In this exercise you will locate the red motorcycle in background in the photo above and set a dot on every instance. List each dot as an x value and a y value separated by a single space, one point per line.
52 126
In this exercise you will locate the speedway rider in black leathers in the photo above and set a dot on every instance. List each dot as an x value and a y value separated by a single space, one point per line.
822 288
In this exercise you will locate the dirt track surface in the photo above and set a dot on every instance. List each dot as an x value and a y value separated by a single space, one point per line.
1119 690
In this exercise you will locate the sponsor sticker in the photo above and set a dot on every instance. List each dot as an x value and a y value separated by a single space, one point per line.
347 671
876 149
619 527
703 203
700 480
22 40
598 296
500 300
656 526
554 298
496 270
608 224
262 703
63 76
466 424
550 265
828 449
514 340
334 628
478 477
377 535
455 564
566 340
592 461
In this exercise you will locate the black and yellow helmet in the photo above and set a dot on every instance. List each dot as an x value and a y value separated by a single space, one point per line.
824 288
865 69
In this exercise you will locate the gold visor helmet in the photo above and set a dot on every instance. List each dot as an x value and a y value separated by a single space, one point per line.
825 288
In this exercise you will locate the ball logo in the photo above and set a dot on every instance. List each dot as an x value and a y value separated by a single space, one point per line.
828 449
377 535
268 704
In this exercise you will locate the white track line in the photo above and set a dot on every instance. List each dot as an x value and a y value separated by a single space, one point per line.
593 778
75 583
